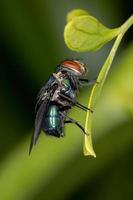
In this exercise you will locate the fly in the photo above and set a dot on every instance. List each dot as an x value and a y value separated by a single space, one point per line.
57 97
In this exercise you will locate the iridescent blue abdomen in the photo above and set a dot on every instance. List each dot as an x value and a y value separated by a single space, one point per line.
53 124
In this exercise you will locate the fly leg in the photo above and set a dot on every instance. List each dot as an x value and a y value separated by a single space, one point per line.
76 103
87 82
83 107
74 122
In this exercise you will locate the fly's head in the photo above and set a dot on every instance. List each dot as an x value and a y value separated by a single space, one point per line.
74 66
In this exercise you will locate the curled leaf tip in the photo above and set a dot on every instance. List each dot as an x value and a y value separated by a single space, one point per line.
88 148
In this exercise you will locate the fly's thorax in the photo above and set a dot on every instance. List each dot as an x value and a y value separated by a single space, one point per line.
66 83
69 88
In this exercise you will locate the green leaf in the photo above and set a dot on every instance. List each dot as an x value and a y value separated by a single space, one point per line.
85 33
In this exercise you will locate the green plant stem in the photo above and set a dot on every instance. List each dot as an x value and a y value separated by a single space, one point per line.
96 90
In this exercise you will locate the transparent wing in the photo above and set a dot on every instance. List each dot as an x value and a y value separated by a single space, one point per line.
38 121
42 104
44 90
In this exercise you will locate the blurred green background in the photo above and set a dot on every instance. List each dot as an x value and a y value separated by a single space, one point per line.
32 45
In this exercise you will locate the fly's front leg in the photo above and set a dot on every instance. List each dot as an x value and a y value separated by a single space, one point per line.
58 78
87 82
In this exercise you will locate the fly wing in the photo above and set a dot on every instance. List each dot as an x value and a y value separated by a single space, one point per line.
44 97
38 121
43 92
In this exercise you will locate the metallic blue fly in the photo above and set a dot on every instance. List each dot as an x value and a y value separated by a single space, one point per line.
57 97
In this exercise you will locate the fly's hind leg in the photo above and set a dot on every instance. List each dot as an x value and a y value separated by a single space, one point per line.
76 123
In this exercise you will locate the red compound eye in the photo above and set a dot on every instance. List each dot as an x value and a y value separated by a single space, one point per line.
74 65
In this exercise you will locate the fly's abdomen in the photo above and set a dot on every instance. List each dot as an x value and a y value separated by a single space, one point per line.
52 122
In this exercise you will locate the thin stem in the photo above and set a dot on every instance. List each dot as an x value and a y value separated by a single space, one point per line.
96 90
